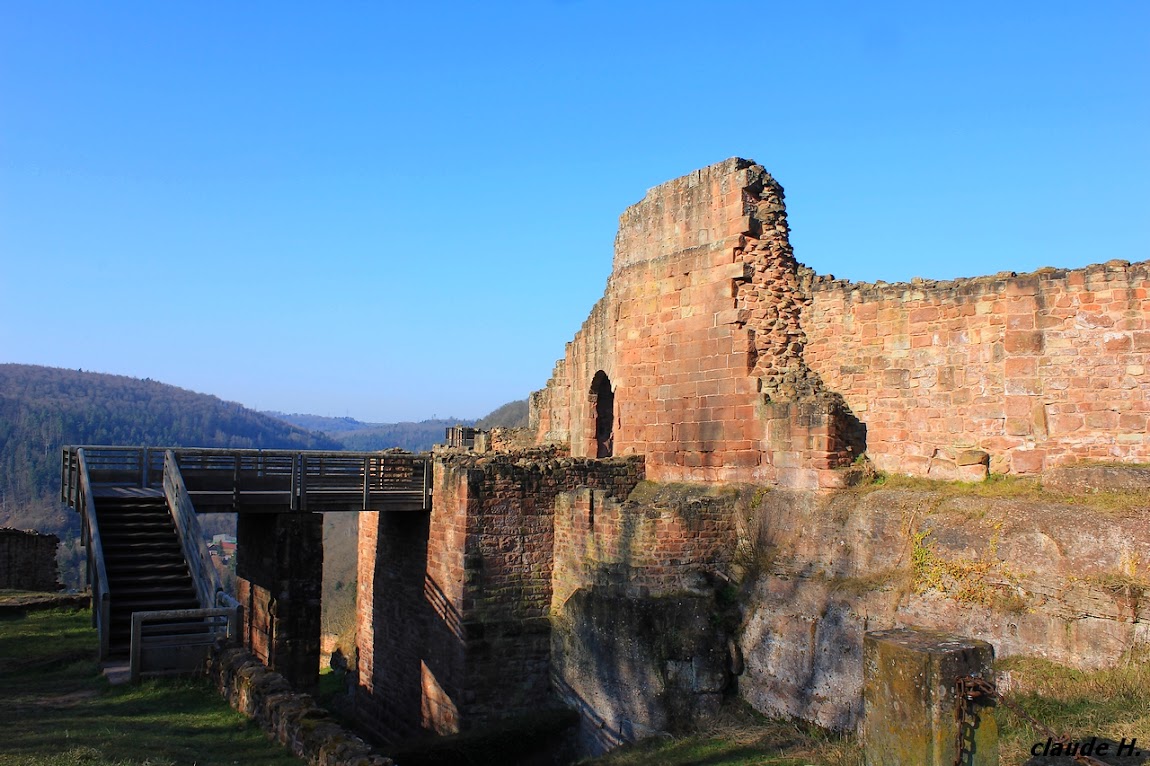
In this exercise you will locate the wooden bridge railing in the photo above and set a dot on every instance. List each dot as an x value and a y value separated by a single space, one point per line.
272 480
191 536
78 493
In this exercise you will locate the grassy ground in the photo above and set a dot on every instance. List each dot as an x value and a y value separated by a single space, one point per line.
57 710
741 737
1120 503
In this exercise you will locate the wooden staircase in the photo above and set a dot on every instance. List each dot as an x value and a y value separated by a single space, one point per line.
144 560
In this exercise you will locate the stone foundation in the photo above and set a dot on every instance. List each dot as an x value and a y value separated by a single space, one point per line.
293 719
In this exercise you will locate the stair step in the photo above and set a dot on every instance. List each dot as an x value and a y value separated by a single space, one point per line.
159 567
144 546
144 565
173 572
151 602
186 588
150 521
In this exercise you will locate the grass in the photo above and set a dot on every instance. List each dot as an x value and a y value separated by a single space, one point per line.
1106 703
999 487
741 737
59 711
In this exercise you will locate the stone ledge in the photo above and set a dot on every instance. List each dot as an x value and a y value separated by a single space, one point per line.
1083 479
292 718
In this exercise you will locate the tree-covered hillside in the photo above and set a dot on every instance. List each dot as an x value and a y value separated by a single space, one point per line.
511 415
358 436
45 408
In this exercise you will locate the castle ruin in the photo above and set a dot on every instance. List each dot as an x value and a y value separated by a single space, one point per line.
715 359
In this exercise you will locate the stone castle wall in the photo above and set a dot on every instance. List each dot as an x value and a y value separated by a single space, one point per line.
453 606
1036 369
730 361
28 560
700 317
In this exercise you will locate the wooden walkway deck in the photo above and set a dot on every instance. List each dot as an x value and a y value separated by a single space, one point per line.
269 481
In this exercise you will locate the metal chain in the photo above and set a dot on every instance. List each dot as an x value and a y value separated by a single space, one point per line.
972 690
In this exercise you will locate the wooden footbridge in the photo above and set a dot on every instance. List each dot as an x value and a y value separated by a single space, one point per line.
153 584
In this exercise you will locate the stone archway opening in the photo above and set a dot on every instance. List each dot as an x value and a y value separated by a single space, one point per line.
603 405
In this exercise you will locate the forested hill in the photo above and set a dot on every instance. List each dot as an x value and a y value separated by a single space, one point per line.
44 408
358 436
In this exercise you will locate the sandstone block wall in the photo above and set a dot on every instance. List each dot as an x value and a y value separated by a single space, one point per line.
730 361
28 561
697 331
293 719
453 605
639 548
638 643
279 577
1036 369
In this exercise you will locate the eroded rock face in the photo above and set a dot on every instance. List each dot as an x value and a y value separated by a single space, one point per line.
1084 479
636 667
1063 582
812 573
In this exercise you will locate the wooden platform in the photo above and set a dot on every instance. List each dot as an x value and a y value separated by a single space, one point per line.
257 481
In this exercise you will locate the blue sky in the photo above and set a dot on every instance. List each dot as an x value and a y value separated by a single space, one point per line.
392 212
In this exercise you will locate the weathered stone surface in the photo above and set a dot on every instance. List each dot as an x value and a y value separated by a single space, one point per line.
972 457
1033 578
279 572
453 607
1082 479
28 561
292 718
637 667
910 699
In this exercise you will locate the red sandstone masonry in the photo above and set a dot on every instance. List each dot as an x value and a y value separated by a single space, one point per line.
453 628
1036 369
648 549
730 362
687 334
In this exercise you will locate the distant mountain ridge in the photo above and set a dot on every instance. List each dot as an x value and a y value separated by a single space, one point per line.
358 436
321 423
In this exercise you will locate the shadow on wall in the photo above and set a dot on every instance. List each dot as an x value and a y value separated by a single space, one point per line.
417 642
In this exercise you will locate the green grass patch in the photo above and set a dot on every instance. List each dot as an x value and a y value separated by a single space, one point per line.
741 737
999 487
58 710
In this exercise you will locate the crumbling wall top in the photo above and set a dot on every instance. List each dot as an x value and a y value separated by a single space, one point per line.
700 209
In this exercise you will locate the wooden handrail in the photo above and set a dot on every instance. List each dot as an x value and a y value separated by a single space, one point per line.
191 536
101 599
234 479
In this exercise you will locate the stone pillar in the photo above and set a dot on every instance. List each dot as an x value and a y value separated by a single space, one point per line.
909 698
279 579
392 642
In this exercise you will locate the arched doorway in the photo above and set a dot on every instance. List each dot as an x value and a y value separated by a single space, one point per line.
603 405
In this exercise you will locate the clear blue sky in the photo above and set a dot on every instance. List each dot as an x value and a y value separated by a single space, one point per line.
399 210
